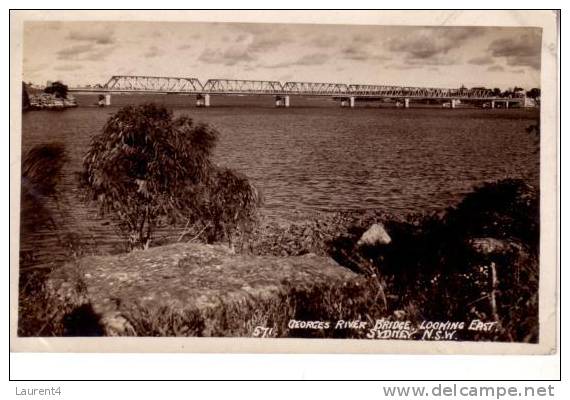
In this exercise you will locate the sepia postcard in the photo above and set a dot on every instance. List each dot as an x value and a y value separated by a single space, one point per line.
284 181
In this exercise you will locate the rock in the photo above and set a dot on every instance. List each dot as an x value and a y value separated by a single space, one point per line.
114 324
189 288
375 235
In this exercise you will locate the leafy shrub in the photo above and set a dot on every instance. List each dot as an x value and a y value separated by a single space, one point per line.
147 168
507 209
41 173
231 205
41 167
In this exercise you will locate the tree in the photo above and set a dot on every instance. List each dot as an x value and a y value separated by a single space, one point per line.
518 92
533 93
146 168
58 89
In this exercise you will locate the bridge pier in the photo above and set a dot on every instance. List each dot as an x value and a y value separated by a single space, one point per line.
492 103
406 103
348 101
203 100
282 101
507 104
104 100
453 103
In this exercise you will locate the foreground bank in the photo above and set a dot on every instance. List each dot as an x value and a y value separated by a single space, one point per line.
475 264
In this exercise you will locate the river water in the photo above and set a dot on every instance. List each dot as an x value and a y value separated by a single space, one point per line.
312 157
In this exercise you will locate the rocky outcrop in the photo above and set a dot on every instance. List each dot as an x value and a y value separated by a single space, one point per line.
51 102
374 236
188 289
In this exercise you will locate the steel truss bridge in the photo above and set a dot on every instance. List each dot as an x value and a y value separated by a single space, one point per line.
155 84
282 91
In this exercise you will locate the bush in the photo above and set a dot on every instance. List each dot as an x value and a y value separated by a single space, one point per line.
431 269
147 168
431 261
231 206
41 167
41 173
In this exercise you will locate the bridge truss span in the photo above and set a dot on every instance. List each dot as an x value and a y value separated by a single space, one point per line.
239 86
315 88
153 84
417 92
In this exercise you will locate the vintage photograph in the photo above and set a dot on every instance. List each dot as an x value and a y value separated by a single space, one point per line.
280 180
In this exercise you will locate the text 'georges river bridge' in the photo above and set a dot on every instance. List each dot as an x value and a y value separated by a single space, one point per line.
346 93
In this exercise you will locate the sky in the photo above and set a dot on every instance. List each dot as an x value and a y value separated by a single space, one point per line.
80 53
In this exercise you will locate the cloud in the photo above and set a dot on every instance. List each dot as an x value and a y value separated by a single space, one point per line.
354 53
438 60
517 71
402 66
153 52
99 37
495 68
313 59
98 55
522 51
85 52
362 39
247 47
229 57
260 38
482 60
69 67
306 60
324 41
431 43
253 28
184 47
266 43
360 54
74 51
